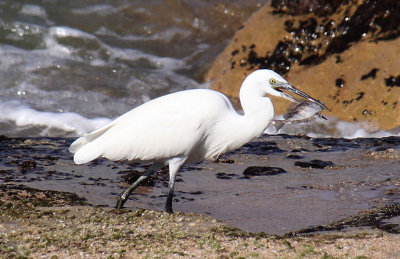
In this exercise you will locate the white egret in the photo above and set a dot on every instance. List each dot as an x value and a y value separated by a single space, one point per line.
185 126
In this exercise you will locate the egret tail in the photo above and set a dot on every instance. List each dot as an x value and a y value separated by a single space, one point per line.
83 148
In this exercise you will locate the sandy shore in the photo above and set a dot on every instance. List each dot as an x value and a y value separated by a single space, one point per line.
44 224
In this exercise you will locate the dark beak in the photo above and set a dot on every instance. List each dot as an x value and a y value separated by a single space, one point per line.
292 89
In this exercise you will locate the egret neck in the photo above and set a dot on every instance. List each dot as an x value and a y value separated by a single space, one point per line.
258 113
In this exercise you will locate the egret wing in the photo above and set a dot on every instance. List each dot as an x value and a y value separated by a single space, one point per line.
166 127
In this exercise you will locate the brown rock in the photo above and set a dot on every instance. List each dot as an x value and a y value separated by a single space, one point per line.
369 99
349 60
231 66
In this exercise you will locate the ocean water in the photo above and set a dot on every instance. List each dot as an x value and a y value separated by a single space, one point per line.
69 67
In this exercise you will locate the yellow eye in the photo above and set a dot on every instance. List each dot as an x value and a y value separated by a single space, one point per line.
272 81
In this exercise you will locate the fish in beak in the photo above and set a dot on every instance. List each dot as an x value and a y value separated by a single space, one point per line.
288 87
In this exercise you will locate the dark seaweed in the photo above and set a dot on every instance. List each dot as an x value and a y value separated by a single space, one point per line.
370 74
339 82
319 7
379 20
392 81
319 164
373 217
263 171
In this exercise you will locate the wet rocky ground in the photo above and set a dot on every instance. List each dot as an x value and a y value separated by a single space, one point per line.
293 195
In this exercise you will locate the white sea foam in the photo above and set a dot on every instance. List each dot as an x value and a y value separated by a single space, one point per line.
34 10
63 51
98 9
44 79
165 36
22 115
332 127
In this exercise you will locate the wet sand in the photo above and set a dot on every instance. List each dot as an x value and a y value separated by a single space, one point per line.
279 185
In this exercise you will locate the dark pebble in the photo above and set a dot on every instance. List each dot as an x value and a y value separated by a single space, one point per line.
196 193
224 160
263 171
319 164
294 157
224 176
28 164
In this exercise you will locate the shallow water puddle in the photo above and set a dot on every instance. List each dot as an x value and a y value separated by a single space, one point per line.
277 184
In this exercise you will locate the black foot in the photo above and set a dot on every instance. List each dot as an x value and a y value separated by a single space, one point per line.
121 201
169 210
120 204
168 204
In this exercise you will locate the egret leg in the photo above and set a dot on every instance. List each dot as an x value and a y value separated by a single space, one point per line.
125 194
174 166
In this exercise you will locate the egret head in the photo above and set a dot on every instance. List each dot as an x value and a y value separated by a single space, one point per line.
277 84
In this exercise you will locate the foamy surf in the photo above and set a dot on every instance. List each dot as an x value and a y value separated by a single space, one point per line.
19 119
64 123
333 128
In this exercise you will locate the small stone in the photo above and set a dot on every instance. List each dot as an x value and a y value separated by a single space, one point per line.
318 164
263 171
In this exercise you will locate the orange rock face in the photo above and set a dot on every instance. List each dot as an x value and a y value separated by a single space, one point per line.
349 60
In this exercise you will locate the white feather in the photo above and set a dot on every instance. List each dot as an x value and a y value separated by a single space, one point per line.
159 130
